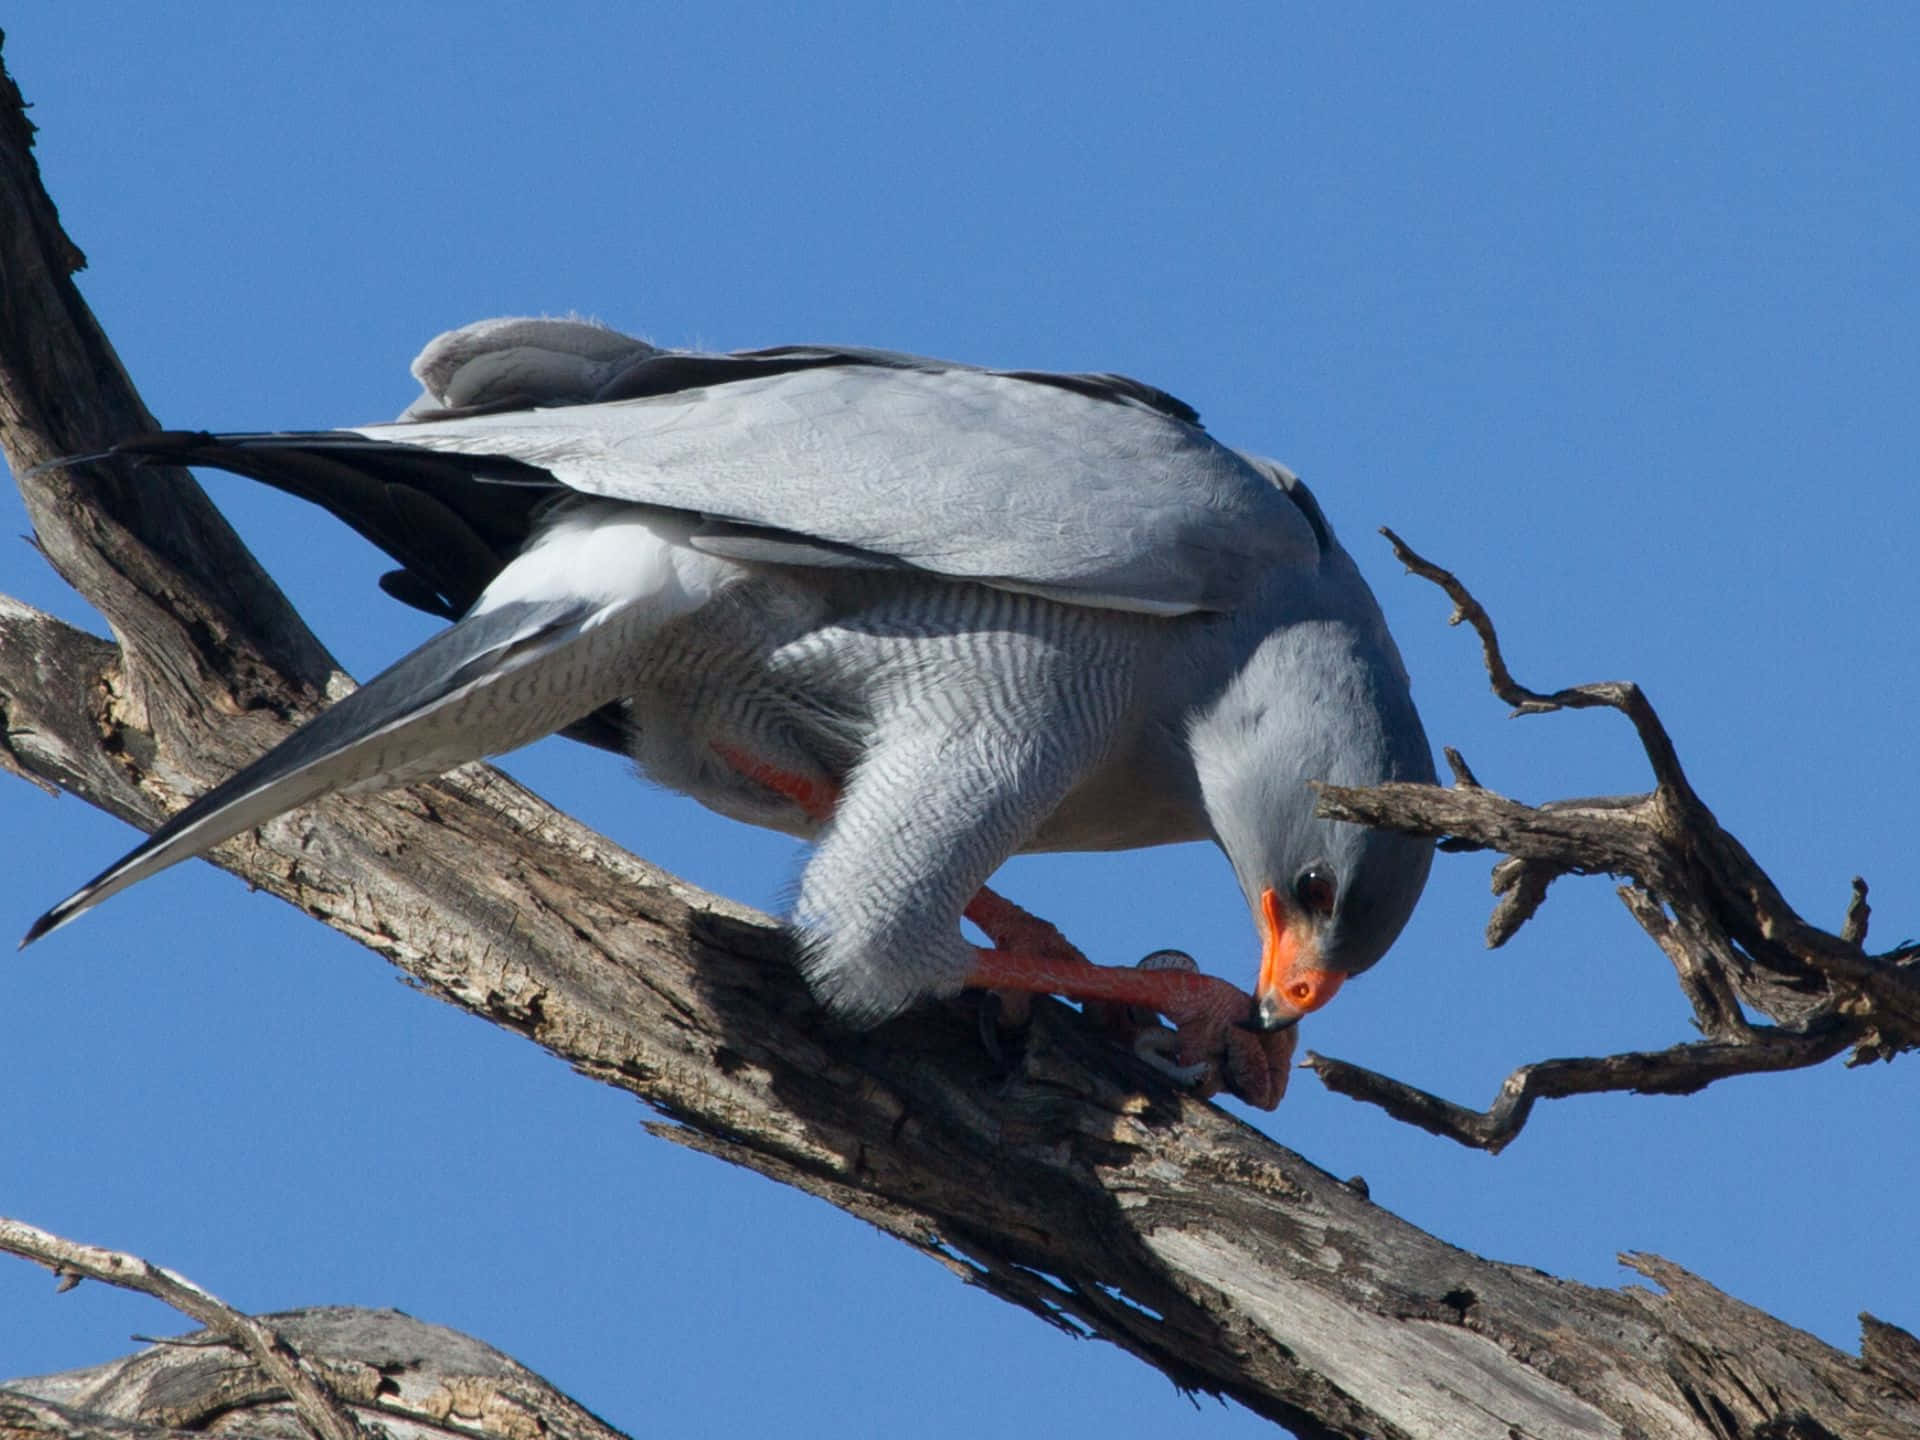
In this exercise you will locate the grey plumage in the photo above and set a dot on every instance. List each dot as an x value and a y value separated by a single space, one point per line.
971 612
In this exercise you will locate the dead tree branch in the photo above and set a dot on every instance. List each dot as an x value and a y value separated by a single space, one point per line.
332 1372
320 1411
1076 1185
1734 941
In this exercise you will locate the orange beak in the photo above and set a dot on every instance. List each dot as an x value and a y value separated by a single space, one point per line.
1291 980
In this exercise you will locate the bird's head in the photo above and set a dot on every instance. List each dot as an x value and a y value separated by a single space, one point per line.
1319 700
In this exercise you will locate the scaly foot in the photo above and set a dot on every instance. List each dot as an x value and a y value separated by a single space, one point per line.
1211 1018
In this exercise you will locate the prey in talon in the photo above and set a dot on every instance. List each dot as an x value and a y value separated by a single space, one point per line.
926 615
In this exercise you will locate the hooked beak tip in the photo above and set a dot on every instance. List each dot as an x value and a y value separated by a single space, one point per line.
1271 1014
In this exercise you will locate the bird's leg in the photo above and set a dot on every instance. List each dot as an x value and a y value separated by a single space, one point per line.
1010 927
1209 1015
1031 957
815 798
1007 925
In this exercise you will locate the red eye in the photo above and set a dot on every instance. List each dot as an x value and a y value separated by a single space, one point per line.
1315 891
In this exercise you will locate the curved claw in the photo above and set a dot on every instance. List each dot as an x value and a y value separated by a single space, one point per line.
990 1016
1216 1045
1155 1044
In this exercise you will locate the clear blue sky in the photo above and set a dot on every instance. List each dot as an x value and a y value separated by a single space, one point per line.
1611 308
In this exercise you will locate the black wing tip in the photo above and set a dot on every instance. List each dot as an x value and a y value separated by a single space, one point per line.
52 920
165 444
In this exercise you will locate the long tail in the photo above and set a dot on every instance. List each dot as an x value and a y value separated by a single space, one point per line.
559 633
485 686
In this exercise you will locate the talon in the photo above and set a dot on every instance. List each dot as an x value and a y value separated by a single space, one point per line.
1202 1009
1154 1046
1013 1009
987 1016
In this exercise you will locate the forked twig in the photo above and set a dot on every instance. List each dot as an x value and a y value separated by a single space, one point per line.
1735 943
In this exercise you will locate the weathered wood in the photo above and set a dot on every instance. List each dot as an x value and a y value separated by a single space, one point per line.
412 1380
1078 1185
318 1408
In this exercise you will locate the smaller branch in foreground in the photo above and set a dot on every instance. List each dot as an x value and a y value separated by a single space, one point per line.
321 1412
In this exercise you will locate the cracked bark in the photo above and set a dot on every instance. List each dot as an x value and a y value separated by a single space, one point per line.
1079 1186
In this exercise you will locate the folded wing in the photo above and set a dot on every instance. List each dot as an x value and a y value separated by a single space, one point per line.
1092 489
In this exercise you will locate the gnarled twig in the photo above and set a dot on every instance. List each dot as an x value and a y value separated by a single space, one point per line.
1732 938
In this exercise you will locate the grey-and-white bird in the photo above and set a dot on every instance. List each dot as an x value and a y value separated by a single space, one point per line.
923 614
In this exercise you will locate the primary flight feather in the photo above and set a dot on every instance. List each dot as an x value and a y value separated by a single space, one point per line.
923 614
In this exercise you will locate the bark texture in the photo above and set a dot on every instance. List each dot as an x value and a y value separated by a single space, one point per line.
412 1380
1078 1186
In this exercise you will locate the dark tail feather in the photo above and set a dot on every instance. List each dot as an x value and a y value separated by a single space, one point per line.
451 521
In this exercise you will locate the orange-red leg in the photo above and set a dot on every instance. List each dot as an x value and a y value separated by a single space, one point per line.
816 798
1010 927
